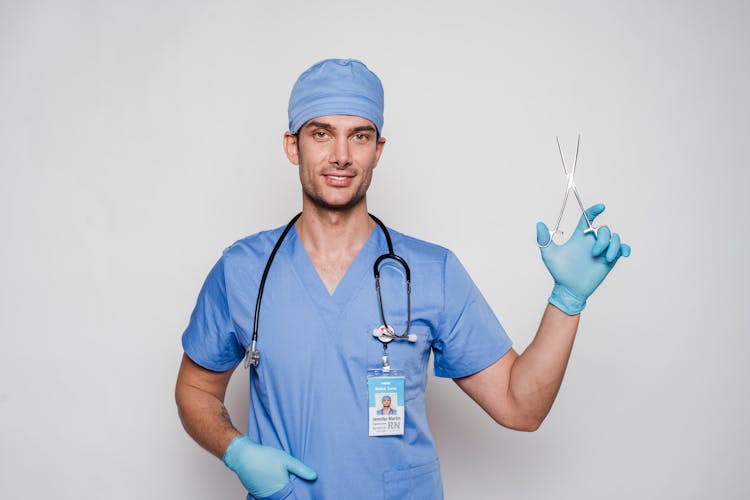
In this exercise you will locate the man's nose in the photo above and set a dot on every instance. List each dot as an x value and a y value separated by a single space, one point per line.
340 155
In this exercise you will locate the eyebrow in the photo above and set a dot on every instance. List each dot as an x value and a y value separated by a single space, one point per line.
364 128
314 124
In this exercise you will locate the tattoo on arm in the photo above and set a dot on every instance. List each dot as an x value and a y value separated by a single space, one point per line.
225 414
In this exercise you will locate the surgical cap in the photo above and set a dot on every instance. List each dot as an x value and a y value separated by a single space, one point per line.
336 87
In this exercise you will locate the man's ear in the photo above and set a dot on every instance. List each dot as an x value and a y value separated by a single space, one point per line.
379 149
291 147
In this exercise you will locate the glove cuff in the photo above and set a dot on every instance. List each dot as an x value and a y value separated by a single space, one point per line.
230 455
567 301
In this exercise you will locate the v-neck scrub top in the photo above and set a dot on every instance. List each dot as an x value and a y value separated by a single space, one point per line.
308 395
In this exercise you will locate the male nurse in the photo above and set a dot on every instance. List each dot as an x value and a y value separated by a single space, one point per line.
386 409
320 308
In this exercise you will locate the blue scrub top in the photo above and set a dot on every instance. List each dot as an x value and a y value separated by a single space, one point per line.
308 395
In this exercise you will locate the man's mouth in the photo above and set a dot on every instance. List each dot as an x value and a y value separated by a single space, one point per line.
338 180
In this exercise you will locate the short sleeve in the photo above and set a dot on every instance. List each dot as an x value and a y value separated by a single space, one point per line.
469 337
209 338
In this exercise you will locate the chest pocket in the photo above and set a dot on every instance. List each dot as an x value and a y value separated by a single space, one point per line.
408 357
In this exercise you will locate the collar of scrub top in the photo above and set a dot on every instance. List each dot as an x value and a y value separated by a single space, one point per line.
253 354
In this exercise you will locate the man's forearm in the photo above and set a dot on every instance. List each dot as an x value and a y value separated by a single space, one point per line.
199 394
207 422
536 374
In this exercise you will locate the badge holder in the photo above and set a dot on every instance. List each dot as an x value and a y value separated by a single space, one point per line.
385 390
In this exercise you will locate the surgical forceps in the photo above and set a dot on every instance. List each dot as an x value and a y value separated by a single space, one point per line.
571 186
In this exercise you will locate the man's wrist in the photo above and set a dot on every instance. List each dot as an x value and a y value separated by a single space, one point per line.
566 300
236 443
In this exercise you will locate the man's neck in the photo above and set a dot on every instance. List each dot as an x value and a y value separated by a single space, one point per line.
333 239
332 232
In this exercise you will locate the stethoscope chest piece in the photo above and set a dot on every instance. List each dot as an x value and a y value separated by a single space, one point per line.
384 333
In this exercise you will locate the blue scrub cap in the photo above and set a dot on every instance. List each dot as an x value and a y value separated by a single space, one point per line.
336 87
386 397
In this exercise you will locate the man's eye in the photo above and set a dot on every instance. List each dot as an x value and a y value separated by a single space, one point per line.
361 137
320 134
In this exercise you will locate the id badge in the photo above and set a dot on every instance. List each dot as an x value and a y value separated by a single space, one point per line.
387 408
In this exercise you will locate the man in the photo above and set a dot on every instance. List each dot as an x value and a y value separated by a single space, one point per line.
386 409
320 308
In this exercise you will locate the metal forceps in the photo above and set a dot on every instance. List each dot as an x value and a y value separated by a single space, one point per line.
571 186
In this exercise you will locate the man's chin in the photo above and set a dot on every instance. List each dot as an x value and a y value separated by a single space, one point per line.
339 205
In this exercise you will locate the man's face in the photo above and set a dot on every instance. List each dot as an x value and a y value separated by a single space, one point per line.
336 155
386 404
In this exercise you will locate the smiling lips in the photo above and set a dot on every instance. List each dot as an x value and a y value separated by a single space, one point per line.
338 180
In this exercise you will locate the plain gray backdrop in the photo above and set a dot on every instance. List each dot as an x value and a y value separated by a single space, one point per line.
140 138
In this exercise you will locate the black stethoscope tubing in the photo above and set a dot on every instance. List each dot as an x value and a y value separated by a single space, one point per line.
253 355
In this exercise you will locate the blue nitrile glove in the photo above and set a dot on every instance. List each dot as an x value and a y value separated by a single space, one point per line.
580 264
263 470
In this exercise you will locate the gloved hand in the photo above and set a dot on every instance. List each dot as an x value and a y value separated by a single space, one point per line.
263 470
580 264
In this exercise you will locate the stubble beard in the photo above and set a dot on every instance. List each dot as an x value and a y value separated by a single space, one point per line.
316 198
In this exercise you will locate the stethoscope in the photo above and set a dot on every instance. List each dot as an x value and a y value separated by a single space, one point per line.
385 333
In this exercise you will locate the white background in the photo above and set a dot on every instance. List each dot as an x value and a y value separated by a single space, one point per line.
140 138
